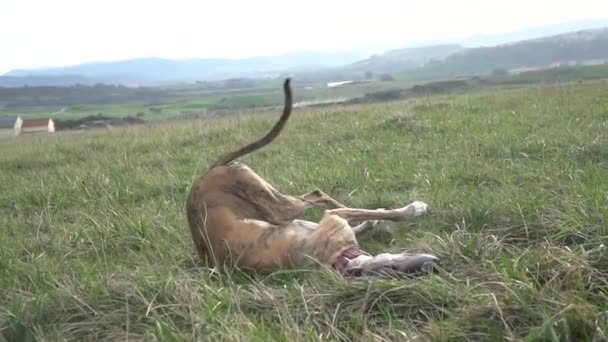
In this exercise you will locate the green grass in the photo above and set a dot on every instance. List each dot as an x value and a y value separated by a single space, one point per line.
562 74
94 242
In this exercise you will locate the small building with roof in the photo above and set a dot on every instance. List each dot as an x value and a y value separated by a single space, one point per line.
37 126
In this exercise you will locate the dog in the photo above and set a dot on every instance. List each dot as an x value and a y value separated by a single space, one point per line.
238 219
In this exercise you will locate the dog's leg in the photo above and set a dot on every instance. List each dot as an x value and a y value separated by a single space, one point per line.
401 214
356 229
365 225
318 198
389 264
334 243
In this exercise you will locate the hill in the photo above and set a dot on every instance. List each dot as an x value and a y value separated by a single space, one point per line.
576 48
425 61
412 57
531 33
428 62
400 59
42 80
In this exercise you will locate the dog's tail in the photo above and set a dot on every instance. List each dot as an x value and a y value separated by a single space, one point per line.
270 136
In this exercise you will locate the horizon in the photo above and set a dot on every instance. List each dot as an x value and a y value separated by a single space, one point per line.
68 32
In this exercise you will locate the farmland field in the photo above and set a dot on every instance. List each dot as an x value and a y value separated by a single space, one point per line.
94 243
153 104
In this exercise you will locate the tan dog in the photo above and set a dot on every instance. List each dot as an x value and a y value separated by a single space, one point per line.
238 219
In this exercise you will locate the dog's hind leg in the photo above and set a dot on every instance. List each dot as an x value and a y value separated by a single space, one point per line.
318 198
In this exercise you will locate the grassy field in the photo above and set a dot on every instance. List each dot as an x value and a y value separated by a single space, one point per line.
563 74
94 242
191 102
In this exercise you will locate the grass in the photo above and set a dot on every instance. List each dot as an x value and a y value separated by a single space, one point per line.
562 74
94 243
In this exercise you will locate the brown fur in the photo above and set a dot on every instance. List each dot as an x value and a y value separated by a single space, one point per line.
238 219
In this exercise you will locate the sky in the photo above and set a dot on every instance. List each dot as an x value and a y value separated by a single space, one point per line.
43 33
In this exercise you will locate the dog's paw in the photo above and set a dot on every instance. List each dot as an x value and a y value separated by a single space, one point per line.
416 208
419 208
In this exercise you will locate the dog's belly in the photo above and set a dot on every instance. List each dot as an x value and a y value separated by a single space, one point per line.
263 246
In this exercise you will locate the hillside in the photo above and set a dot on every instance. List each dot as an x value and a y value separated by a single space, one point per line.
588 46
400 59
532 33
46 80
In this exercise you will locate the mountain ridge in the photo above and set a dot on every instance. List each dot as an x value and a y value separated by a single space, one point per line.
158 71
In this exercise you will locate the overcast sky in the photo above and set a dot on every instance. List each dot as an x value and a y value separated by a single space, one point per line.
36 33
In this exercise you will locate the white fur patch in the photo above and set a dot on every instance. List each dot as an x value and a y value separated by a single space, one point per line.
419 208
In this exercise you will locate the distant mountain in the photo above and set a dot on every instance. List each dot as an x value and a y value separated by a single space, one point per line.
419 57
400 59
149 71
427 60
582 47
532 33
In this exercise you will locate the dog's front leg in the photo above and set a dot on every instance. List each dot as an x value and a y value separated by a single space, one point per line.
333 242
391 264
